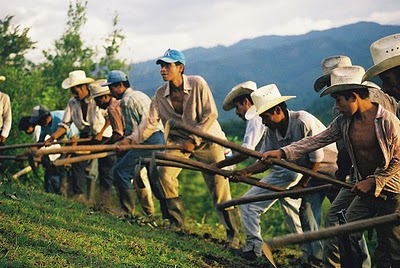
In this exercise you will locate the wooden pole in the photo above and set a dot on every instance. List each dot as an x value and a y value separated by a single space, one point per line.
103 148
71 160
210 169
173 124
270 196
40 144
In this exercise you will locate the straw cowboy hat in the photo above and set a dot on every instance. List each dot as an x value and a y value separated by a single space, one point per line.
96 89
265 98
347 78
328 64
241 89
385 54
76 78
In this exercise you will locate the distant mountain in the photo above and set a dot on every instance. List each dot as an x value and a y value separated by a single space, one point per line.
291 62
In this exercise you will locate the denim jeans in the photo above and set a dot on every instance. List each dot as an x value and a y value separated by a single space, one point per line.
124 169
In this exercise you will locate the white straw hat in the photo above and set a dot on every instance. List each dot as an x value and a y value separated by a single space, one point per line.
327 65
75 78
347 78
265 98
96 89
241 89
385 54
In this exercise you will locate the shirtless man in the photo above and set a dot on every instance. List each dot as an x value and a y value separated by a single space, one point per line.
370 134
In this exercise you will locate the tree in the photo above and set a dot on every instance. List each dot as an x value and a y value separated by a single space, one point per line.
110 60
14 43
68 54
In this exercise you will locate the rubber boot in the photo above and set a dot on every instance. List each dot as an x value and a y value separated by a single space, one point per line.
176 213
90 191
232 221
127 200
107 204
64 186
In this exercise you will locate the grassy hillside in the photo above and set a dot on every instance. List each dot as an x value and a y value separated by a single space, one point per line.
39 229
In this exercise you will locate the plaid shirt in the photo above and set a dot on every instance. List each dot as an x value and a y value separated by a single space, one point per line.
199 110
5 115
135 106
387 127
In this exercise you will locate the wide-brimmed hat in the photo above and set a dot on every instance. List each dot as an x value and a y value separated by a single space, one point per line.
97 89
38 112
115 76
385 54
264 99
241 89
2 78
172 55
327 65
75 78
347 78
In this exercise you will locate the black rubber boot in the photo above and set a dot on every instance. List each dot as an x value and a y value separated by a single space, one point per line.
176 212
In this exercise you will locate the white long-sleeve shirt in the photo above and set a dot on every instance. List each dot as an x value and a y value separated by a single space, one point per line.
5 115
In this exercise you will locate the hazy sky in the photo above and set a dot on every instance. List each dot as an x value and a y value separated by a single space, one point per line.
152 26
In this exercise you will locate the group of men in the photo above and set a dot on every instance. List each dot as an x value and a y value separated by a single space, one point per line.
360 146
365 130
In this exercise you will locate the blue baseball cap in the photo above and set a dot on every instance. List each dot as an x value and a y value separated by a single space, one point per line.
172 55
115 76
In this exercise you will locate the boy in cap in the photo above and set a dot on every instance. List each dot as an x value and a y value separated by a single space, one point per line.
134 105
370 134
55 177
5 115
89 119
189 100
283 127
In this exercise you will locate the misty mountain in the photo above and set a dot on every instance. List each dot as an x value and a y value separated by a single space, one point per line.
291 62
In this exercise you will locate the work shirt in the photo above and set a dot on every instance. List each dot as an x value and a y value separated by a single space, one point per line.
254 133
94 121
199 110
5 115
115 116
135 106
302 124
387 128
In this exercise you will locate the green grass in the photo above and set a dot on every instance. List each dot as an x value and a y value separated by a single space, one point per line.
45 230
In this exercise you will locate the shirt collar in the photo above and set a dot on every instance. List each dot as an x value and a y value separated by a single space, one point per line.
186 86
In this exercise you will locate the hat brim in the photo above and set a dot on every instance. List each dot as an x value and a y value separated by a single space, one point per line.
98 95
67 84
322 82
253 111
344 87
381 67
228 101
165 59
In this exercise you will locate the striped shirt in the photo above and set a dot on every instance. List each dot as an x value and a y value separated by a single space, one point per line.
135 106
387 128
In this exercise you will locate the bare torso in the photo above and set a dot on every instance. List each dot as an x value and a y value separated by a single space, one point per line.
365 146
176 96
